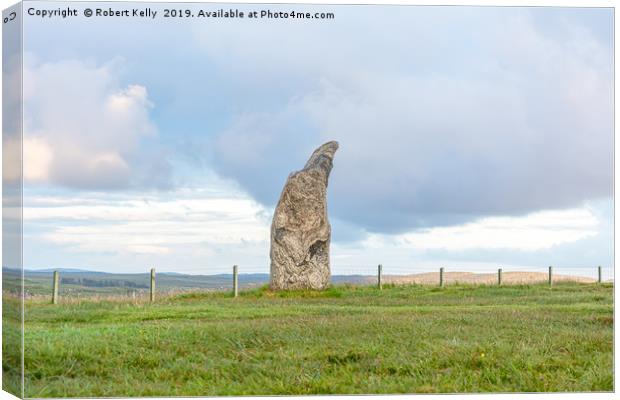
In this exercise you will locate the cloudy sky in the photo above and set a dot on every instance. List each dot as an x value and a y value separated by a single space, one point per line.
470 137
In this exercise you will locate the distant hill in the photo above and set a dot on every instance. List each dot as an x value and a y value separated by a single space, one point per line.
80 281
62 270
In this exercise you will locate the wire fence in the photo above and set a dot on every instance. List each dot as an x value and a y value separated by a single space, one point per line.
396 269
146 285
583 273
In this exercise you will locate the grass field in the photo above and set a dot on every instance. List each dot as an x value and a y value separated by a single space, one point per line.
404 339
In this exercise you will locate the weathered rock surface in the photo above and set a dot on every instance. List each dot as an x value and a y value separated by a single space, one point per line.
300 230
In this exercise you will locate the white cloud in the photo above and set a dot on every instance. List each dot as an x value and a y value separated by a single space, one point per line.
38 157
536 231
149 223
216 225
82 128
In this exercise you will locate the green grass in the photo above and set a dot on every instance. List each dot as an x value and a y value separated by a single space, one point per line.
404 339
11 344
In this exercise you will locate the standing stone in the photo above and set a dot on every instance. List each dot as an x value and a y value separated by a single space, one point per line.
300 230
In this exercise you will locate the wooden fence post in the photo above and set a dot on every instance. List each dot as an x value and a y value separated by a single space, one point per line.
550 275
56 281
600 274
499 277
441 277
152 285
235 281
379 277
